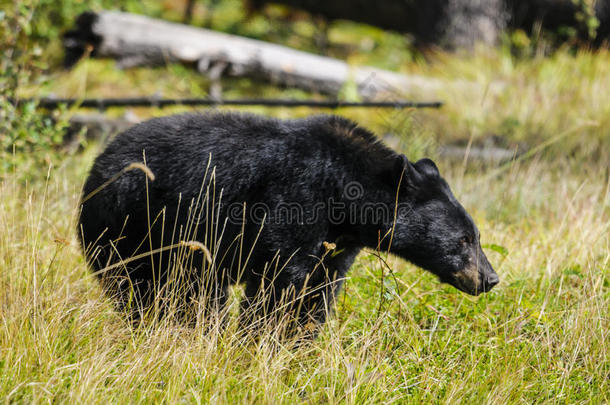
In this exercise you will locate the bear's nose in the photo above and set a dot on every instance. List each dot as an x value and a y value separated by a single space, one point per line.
491 280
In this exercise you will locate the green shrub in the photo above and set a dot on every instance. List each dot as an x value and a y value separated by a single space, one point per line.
28 139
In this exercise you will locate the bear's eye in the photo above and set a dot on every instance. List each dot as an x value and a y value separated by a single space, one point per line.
465 241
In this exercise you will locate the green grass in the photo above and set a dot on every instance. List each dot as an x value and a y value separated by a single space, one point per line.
540 336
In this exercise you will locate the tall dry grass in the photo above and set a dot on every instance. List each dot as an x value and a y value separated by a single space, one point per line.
541 335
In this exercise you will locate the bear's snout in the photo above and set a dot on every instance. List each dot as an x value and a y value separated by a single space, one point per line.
477 277
491 280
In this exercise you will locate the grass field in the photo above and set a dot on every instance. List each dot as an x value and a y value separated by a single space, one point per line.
541 336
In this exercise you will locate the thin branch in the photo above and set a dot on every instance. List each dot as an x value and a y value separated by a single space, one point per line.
103 103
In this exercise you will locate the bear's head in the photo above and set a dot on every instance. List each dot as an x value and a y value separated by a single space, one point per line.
433 231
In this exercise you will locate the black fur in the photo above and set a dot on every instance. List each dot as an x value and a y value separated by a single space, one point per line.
310 165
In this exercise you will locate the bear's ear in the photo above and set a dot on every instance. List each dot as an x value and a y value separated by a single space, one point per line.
401 166
421 175
400 171
412 178
426 167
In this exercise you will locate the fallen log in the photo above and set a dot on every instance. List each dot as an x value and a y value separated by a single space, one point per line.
489 154
138 40
96 126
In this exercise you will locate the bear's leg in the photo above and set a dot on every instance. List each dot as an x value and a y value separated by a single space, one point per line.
206 296
210 307
293 305
272 306
323 284
299 298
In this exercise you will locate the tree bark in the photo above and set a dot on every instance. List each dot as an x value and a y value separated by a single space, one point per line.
448 23
460 23
139 40
553 15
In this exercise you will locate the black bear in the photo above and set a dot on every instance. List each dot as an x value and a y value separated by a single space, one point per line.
202 201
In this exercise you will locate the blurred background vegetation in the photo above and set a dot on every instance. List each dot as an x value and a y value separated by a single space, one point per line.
520 93
540 336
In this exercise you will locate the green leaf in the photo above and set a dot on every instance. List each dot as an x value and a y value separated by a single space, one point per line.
496 248
573 271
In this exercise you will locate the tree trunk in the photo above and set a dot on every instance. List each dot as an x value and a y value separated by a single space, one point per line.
553 15
462 23
139 40
449 23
